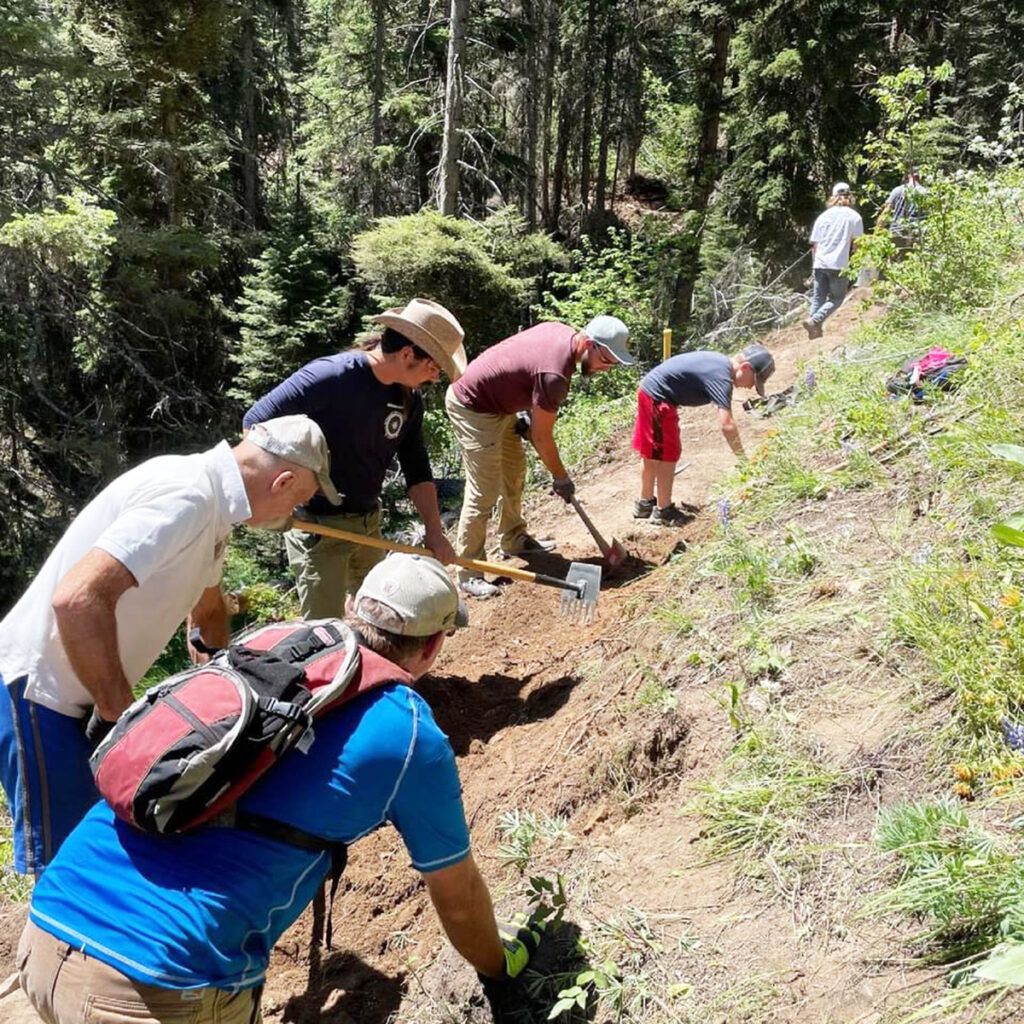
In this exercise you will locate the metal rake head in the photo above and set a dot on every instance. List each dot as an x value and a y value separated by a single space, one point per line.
580 603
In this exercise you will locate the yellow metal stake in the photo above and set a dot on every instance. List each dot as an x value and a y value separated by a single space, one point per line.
666 343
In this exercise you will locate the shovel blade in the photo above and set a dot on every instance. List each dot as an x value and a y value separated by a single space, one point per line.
580 604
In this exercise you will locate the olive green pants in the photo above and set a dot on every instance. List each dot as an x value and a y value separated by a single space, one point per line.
325 569
495 468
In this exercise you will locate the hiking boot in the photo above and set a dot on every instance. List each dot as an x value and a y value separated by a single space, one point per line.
529 545
477 586
643 507
670 516
813 328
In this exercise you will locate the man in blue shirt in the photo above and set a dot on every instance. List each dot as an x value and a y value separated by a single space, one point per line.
690 379
181 927
367 403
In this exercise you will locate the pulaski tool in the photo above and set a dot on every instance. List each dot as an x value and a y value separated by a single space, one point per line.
613 552
579 588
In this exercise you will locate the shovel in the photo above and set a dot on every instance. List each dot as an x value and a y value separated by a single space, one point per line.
614 554
579 588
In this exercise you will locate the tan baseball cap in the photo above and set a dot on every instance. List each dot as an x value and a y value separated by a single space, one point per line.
417 591
300 440
431 327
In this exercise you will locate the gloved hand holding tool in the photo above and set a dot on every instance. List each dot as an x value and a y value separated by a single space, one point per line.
519 939
524 424
564 488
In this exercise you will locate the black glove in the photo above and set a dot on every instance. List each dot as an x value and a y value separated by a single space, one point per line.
564 488
519 939
523 423
96 729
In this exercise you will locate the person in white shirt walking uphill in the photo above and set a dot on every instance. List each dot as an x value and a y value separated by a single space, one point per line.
833 238
127 926
141 557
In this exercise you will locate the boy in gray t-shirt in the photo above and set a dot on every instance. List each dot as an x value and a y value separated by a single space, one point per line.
690 379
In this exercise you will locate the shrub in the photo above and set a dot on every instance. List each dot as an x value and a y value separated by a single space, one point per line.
485 274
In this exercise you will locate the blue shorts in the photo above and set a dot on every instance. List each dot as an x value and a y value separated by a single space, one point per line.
44 769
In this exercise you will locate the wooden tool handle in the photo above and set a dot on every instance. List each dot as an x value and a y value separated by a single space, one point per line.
409 549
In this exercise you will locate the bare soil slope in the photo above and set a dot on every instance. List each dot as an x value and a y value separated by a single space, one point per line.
544 715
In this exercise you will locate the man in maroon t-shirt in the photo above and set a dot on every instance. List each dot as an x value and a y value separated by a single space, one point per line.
529 372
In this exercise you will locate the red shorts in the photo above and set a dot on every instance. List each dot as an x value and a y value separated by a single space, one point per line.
656 434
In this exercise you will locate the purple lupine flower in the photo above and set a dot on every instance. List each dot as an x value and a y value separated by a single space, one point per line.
1013 734
810 379
724 512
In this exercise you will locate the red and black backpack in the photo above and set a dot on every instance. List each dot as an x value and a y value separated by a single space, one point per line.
183 753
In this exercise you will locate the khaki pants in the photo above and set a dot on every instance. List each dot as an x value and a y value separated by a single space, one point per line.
327 569
68 987
495 468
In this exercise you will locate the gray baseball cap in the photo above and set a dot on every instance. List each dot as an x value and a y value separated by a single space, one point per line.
417 593
611 333
762 363
300 440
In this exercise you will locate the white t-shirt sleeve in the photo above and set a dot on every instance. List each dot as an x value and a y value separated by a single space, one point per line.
857 227
154 530
816 231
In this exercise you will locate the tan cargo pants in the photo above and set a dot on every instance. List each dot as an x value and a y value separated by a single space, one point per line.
326 569
65 986
495 468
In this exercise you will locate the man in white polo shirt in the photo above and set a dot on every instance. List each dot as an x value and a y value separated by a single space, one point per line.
142 557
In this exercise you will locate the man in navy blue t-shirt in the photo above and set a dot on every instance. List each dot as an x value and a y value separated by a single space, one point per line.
690 379
137 926
368 405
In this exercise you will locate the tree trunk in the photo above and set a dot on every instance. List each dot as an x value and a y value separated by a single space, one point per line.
448 182
565 118
376 99
587 122
250 169
550 59
530 84
705 168
604 132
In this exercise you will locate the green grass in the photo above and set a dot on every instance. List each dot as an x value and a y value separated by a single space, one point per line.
759 805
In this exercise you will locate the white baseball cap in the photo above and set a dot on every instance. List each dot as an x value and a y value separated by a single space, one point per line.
841 188
300 440
419 597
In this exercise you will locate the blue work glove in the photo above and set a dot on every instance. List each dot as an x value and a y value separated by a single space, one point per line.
564 488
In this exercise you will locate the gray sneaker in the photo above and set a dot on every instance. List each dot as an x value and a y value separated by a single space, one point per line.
477 586
529 545
670 516
643 507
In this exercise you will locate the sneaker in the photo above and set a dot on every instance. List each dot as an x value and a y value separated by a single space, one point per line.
813 328
643 507
529 545
670 516
477 586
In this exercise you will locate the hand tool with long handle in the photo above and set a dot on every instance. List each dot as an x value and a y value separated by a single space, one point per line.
614 554
580 587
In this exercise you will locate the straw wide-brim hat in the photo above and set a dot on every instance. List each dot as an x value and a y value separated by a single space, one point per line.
432 328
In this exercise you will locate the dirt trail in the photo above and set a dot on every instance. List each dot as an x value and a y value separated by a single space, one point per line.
530 732
516 695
